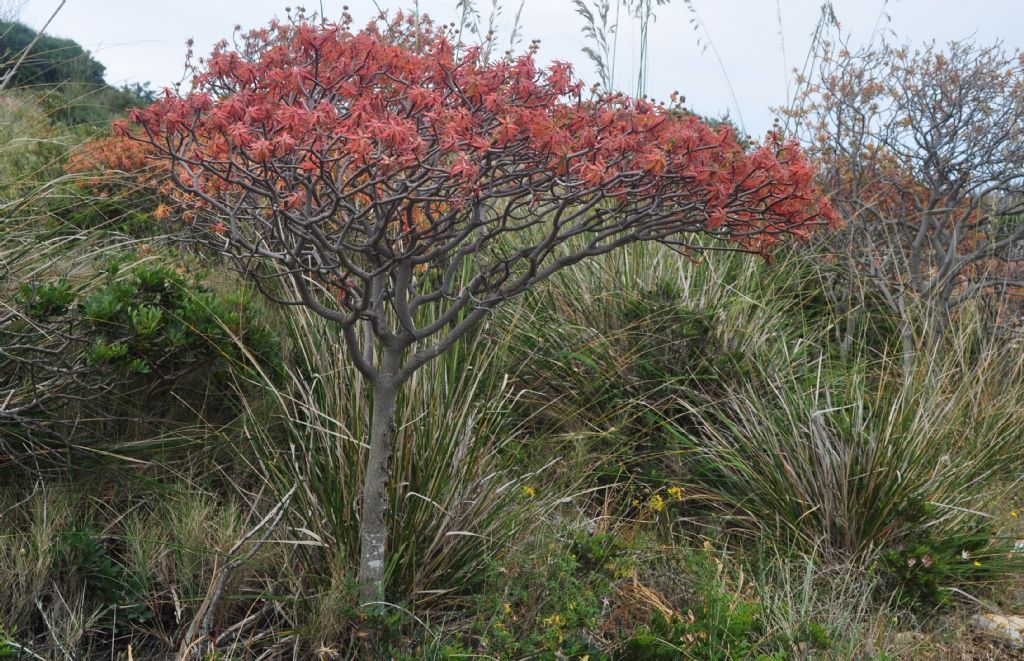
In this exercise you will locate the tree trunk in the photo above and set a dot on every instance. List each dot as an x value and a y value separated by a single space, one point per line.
373 531
909 349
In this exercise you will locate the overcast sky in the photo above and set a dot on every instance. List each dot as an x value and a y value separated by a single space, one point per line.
143 40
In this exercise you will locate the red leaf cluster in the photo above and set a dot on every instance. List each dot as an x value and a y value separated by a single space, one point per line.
397 115
99 162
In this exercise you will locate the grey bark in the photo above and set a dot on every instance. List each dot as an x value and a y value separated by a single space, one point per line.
373 530
907 342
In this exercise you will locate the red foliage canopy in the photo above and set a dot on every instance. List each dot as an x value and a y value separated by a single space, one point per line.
345 154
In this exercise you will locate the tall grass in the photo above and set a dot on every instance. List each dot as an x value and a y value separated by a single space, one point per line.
857 459
456 502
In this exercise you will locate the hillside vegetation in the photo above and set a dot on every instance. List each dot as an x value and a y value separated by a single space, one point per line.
653 454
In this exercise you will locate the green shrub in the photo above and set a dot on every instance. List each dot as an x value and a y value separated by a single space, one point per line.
79 356
599 552
925 572
715 623
9 649
106 580
548 607
51 61
67 79
162 323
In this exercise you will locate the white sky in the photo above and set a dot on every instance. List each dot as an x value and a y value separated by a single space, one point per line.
143 40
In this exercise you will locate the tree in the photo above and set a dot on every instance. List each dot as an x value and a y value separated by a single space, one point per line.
923 154
70 80
51 61
406 192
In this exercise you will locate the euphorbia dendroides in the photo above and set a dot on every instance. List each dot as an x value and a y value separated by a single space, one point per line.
408 189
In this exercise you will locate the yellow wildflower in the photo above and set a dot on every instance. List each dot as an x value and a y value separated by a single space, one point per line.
676 493
555 620
529 491
656 502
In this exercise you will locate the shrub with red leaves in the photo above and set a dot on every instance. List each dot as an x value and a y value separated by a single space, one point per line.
405 185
